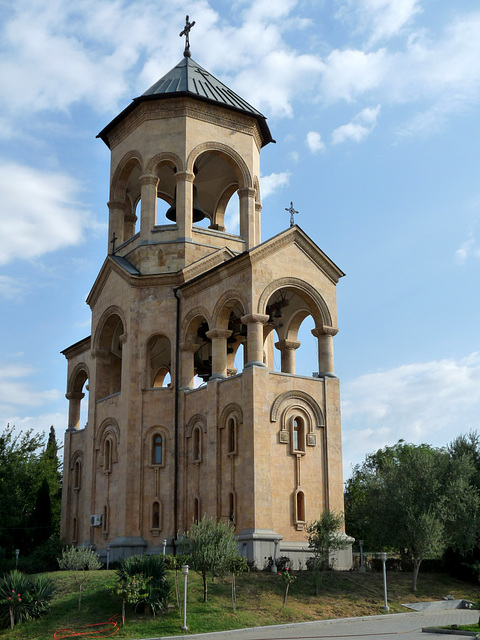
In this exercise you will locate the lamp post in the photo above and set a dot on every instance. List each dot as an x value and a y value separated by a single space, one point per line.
17 553
164 545
185 574
274 565
383 557
362 566
108 555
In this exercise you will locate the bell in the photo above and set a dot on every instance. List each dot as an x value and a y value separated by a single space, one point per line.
198 212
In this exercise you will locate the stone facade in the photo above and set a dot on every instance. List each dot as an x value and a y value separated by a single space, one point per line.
175 304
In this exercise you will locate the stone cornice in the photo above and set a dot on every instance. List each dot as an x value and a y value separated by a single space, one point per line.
76 349
184 107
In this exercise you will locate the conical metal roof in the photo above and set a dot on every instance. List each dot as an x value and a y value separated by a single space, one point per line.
188 78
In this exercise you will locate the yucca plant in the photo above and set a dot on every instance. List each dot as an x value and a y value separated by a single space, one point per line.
23 597
149 566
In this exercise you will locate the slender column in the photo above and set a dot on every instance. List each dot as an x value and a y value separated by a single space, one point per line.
247 216
148 183
116 223
325 350
74 398
255 322
187 369
219 352
287 350
258 218
184 200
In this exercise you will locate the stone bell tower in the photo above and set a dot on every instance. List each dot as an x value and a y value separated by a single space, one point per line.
185 412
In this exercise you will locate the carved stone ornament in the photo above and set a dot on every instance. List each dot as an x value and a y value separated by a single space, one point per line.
284 436
311 439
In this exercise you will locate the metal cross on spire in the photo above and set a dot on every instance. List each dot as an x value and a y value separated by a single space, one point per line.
186 33
292 212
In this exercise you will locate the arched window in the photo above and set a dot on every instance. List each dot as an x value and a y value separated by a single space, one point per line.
300 507
77 477
156 515
298 435
157 449
107 456
196 445
74 531
232 435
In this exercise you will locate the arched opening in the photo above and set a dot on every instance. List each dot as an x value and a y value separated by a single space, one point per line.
107 456
77 395
196 510
202 358
74 531
77 475
231 507
156 515
159 362
232 435
298 434
300 507
109 357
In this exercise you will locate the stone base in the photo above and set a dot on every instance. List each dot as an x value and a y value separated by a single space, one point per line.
124 547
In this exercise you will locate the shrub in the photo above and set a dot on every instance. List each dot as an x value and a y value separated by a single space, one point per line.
79 561
152 568
23 597
282 563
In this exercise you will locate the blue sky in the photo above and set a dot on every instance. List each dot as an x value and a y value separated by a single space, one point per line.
374 105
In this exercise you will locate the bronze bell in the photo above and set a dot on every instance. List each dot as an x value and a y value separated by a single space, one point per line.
198 212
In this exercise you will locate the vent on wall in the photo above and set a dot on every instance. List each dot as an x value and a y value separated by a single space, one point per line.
96 520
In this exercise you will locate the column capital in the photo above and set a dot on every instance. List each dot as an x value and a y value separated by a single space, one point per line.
116 204
287 344
219 333
148 178
247 191
188 346
324 331
74 395
255 318
184 176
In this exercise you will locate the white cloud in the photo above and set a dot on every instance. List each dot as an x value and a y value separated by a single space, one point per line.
39 212
382 19
10 287
359 128
271 183
314 142
428 402
16 390
467 249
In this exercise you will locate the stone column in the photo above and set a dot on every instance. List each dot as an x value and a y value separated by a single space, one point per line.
219 351
255 322
148 216
258 217
184 201
116 223
247 216
187 369
74 398
325 350
287 350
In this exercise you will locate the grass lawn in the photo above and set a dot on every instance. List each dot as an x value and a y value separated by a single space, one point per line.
259 603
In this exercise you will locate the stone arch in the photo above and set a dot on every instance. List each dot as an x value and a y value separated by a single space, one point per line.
113 310
122 173
158 359
233 157
221 312
164 157
192 315
302 287
77 378
109 429
289 398
75 394
109 339
197 419
233 407
148 443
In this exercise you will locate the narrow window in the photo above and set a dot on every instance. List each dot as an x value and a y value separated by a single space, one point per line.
77 483
156 515
74 531
105 519
298 435
107 465
157 451
196 510
196 445
300 506
232 436
231 507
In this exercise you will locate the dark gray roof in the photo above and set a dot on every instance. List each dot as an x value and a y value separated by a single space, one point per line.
189 79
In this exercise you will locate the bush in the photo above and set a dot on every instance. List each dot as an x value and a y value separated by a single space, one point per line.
23 597
44 557
152 568
283 563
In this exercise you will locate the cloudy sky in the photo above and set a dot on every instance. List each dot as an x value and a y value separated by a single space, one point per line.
374 105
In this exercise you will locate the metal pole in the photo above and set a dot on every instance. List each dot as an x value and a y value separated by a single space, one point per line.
384 560
164 545
185 574
274 565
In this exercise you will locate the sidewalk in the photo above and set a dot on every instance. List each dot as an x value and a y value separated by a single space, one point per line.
408 625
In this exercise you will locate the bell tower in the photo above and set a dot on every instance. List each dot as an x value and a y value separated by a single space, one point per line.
186 414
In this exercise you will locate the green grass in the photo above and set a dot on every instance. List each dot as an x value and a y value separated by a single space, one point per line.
259 602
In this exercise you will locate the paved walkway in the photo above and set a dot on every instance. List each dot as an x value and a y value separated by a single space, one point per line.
407 625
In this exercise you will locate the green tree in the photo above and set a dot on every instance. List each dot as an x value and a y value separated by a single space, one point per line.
79 561
211 547
324 538
414 499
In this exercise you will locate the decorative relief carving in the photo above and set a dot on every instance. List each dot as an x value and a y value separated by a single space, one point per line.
284 436
296 394
197 419
311 440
